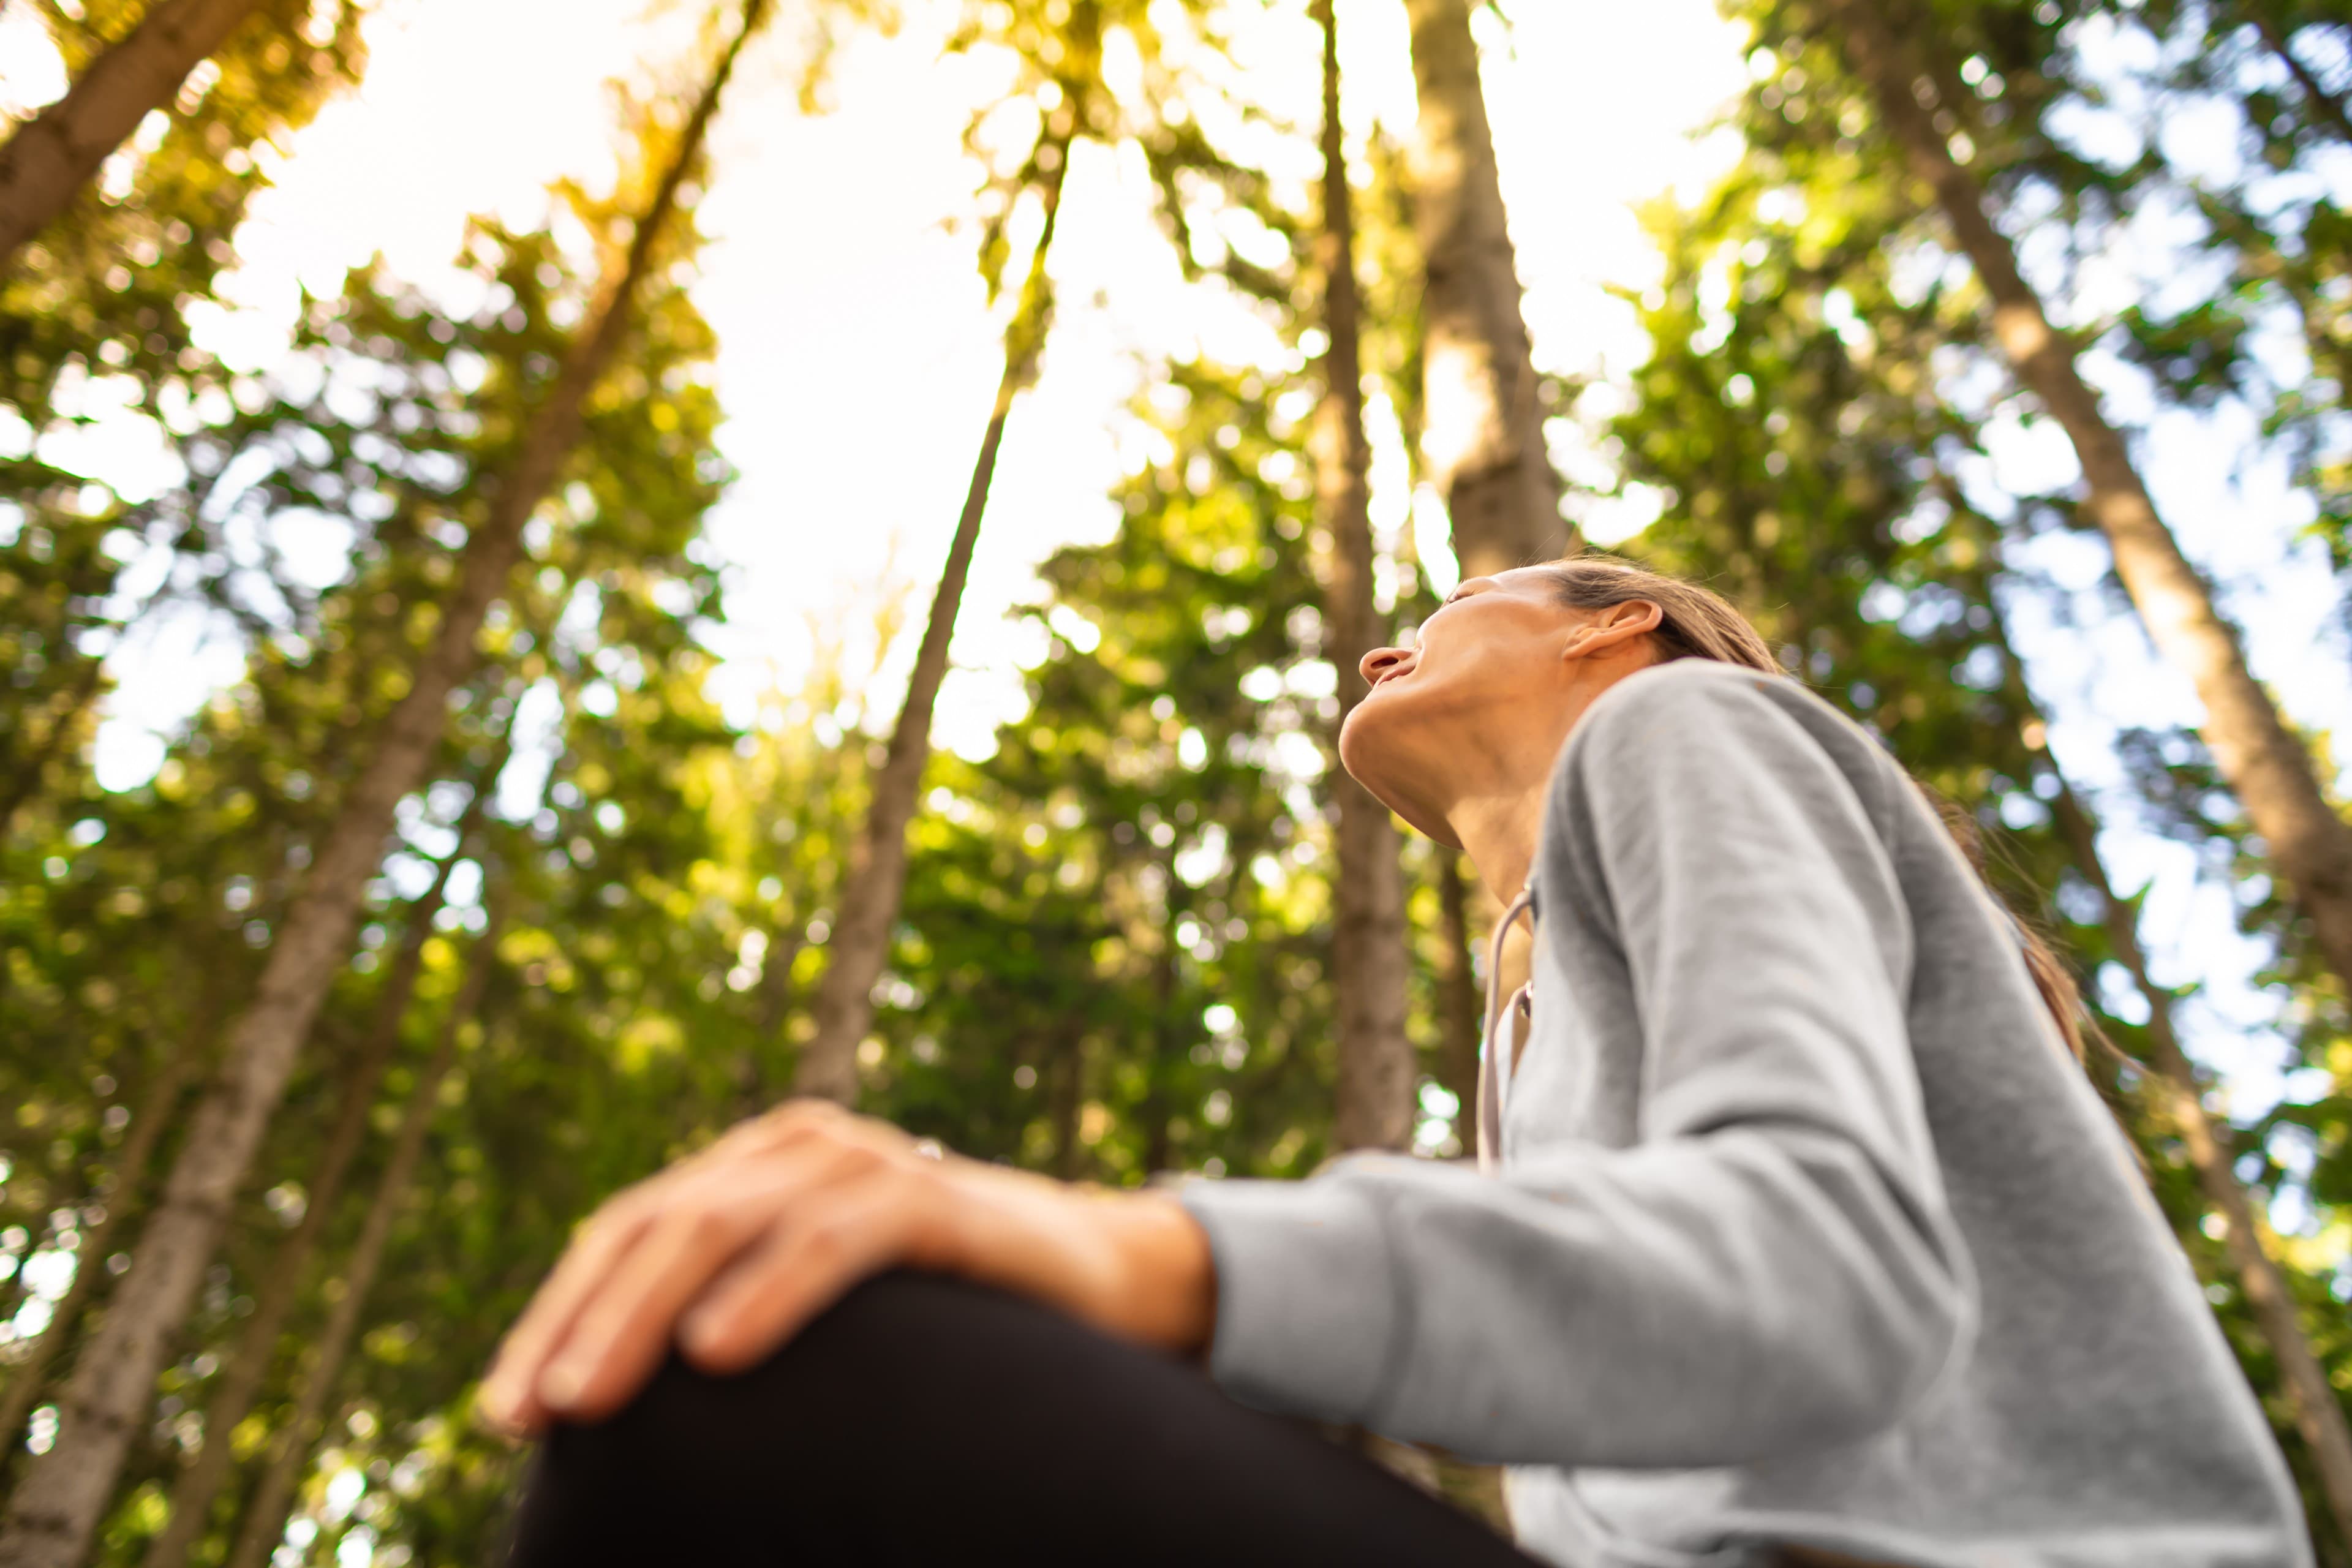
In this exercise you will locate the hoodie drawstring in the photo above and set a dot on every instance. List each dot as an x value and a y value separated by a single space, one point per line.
1494 1078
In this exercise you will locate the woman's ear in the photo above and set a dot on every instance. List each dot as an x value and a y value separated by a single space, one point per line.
1612 628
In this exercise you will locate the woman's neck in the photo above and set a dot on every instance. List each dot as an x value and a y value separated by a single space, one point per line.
1498 814
1498 832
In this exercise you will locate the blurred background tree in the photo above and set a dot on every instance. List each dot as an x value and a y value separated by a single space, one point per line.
502 863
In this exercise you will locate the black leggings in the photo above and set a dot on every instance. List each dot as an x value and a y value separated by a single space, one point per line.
925 1421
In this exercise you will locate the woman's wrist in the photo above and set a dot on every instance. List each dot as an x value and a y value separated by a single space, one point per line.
1137 1265
1171 1288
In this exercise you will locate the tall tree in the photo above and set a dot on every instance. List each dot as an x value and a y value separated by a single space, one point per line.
50 159
249 1363
2265 763
1840 522
264 1516
2318 1409
874 881
1482 439
1368 959
1060 49
52 156
104 300
56 1506
26 1380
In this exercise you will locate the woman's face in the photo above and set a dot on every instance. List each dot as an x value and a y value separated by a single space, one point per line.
1493 650
1489 688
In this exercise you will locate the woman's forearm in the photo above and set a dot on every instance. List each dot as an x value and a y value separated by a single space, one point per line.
1134 1264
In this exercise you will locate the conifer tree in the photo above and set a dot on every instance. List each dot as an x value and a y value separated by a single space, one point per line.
56 1505
1377 1071
874 880
256 1346
1482 438
103 297
1837 519
51 158
264 1515
1121 919
2265 763
124 1189
107 282
1061 49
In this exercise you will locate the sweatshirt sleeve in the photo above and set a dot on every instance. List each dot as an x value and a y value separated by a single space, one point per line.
1769 1266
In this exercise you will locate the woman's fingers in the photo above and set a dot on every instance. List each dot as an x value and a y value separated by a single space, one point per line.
709 1218
799 1267
753 1236
509 1396
621 1332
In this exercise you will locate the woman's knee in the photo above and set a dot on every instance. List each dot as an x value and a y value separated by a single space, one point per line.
799 1444
825 1390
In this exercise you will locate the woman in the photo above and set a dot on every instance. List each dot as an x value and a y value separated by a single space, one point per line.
1807 1242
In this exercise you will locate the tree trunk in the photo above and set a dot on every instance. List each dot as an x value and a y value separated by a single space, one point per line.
776 979
1066 1095
1482 441
753 1088
2323 104
1156 1113
274 1301
2319 1411
1368 948
2265 764
1458 1023
876 877
25 1386
46 164
265 1520
2251 1244
53 1511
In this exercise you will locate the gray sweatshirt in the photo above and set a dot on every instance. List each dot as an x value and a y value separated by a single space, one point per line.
1806 1229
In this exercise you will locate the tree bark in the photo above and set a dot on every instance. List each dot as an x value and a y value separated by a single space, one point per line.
753 1089
53 155
265 1520
2264 763
776 978
2323 103
2251 1244
874 879
1158 1113
274 1301
147 1126
51 1518
1459 1025
1482 440
1065 1095
2319 1411
1369 961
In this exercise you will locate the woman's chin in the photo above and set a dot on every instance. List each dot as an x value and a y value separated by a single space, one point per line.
1369 752
1360 742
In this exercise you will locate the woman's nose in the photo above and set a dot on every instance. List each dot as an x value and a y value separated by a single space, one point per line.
1380 662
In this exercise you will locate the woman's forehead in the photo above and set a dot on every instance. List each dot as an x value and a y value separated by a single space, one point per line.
1528 583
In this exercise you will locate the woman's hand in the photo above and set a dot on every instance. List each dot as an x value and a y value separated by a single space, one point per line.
731 1252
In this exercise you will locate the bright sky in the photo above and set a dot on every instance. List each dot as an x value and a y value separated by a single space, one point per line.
856 357
857 360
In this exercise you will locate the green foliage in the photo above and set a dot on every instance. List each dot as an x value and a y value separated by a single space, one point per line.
1116 921
1113 954
105 287
1814 413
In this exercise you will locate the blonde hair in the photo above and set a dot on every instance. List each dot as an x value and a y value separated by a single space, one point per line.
1697 622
